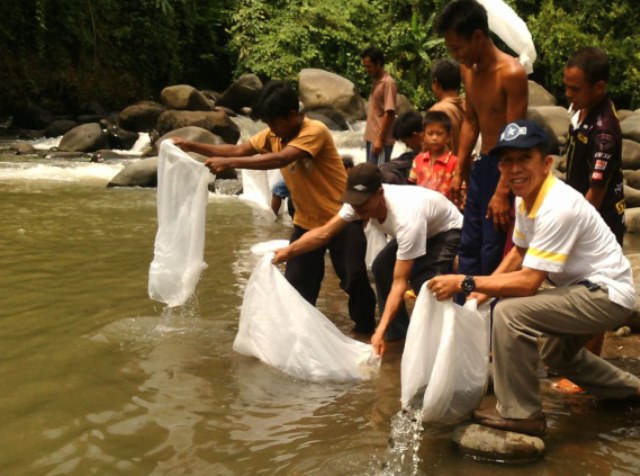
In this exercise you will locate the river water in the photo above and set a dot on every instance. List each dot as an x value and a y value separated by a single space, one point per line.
98 379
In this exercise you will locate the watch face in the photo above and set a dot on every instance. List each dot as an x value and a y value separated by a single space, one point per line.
468 284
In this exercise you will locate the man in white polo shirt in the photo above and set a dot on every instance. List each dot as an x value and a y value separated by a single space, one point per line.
560 236
425 230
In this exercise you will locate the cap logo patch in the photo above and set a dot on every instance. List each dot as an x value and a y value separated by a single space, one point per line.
512 132
360 187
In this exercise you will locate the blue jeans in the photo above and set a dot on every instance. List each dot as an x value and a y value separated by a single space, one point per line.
382 157
481 245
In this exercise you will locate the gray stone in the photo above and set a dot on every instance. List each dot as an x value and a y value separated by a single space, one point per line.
141 116
335 116
193 134
623 331
631 197
84 138
487 443
631 127
184 97
632 220
242 93
630 154
318 88
324 119
555 118
59 127
539 96
404 105
632 178
22 148
141 173
624 113
217 122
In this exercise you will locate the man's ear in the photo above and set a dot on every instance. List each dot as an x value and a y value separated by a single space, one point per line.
601 87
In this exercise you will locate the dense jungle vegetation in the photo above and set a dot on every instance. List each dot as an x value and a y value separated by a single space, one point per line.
59 53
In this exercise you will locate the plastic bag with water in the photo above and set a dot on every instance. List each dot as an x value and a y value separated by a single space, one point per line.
178 257
446 349
279 327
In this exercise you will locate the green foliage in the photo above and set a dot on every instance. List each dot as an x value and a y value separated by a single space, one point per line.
559 28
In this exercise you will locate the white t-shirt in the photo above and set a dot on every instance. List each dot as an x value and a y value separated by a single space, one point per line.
414 214
567 237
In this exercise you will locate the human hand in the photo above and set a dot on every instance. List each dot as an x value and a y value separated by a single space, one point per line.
456 190
180 142
281 255
377 342
377 147
480 297
445 286
216 165
500 210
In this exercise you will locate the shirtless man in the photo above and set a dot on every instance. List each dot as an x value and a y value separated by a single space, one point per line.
496 93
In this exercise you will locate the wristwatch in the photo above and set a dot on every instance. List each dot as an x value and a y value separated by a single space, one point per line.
468 285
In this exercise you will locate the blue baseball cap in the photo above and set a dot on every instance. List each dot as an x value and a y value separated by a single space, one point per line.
522 134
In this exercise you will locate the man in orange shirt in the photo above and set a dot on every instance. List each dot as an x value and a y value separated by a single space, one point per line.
313 171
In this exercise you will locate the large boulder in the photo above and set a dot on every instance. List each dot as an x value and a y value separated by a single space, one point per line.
184 97
631 197
84 138
59 127
319 89
191 133
539 96
403 105
630 154
32 117
141 173
632 220
631 127
632 178
555 120
121 139
217 122
242 93
318 116
335 116
141 117
495 445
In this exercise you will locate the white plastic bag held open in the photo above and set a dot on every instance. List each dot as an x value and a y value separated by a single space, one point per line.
281 329
178 257
446 349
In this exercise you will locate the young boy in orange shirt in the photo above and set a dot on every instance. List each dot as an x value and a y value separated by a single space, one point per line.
433 168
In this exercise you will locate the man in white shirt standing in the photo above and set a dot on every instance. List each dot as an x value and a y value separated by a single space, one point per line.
560 236
425 230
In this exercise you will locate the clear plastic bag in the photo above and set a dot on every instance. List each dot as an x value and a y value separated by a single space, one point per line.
178 257
281 329
511 29
446 349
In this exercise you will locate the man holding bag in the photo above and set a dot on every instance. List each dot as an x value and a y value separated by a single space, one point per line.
558 236
425 230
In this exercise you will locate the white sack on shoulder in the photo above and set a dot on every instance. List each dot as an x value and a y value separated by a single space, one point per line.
446 349
178 257
511 29
279 327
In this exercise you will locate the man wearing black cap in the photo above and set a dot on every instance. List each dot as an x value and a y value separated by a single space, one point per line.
558 235
425 230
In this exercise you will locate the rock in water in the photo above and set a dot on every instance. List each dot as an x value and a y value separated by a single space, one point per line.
495 445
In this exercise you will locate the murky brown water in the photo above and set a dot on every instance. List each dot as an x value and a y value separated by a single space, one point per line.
98 379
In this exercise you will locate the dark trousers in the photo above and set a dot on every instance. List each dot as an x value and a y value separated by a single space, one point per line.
481 245
347 250
441 251
382 158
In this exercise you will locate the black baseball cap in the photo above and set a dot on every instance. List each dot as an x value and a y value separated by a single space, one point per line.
363 180
522 134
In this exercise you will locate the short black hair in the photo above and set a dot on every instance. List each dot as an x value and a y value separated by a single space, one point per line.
276 100
407 124
374 54
446 72
463 17
437 117
593 61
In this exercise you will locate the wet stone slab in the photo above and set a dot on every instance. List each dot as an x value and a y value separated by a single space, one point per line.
487 443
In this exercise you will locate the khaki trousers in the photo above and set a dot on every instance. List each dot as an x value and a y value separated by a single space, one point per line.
568 317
